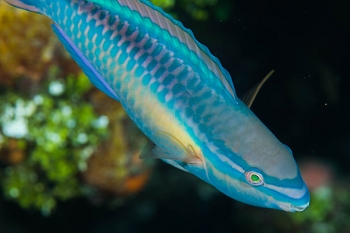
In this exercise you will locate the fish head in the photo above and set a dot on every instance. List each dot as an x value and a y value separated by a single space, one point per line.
267 177
277 192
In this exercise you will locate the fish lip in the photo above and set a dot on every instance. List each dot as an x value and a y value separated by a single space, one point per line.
294 208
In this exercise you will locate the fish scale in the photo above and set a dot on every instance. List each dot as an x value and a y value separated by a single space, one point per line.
93 53
179 95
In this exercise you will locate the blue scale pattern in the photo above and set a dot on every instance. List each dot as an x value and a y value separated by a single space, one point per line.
185 79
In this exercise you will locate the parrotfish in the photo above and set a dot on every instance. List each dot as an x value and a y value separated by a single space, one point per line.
179 95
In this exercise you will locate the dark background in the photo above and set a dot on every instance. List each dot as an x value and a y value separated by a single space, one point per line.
305 104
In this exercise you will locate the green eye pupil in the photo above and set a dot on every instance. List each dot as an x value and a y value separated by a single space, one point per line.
255 178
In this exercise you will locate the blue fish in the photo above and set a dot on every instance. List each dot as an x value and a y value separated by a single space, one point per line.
179 95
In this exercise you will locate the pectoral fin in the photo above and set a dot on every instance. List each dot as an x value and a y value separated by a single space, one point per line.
84 64
175 164
250 96
170 148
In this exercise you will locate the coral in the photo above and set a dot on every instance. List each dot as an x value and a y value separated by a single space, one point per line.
55 132
115 167
28 46
50 135
164 3
24 40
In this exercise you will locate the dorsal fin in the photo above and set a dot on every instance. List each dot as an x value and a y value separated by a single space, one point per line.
250 96
145 13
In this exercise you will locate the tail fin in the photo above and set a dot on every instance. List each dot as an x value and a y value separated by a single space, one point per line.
29 5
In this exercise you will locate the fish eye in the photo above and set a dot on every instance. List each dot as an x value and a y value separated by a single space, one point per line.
254 178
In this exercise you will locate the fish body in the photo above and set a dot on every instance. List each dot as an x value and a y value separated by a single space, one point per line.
179 95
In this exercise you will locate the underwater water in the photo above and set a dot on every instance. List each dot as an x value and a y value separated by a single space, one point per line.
69 159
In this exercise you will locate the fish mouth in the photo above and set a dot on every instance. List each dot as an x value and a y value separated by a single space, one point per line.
293 208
